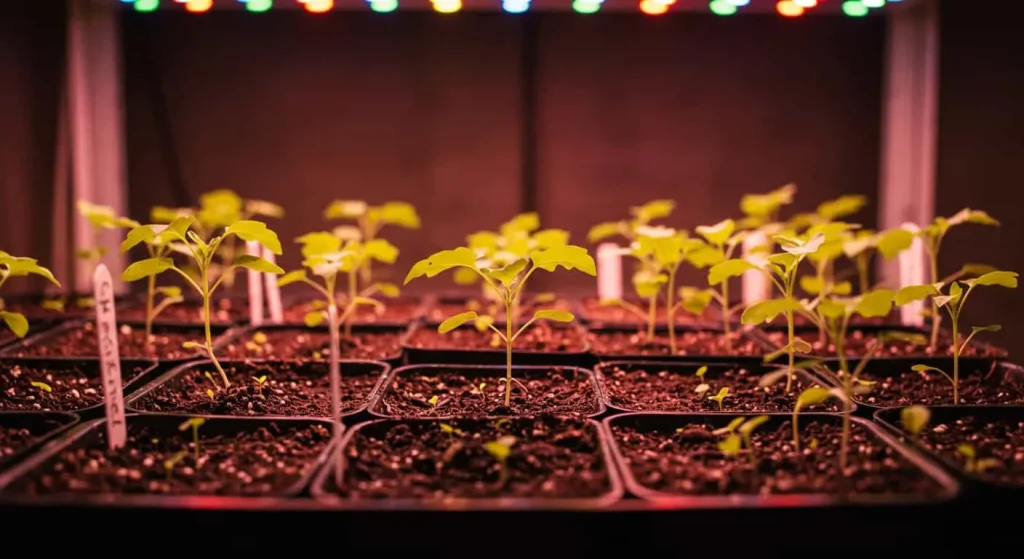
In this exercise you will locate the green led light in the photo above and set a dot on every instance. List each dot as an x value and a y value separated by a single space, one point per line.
723 7
854 8
259 5
146 5
586 6
383 6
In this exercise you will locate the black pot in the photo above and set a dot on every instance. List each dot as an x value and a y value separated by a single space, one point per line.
133 372
324 488
89 435
379 369
671 421
44 426
36 326
491 372
679 368
394 359
221 336
983 482
751 360
416 355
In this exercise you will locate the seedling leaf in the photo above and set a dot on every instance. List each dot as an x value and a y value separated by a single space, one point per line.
454 322
765 311
568 256
730 446
402 214
1005 279
42 386
16 322
441 261
381 251
731 427
876 303
811 397
915 419
728 269
291 277
249 230
258 264
913 293
146 268
313 318
894 241
718 233
556 315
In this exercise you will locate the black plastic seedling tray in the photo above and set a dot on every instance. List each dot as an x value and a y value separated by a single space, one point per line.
44 427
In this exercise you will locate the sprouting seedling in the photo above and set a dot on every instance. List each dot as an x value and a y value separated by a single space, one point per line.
42 386
171 462
506 283
782 269
100 218
823 283
369 221
809 397
260 381
211 395
721 242
454 445
17 266
739 433
209 377
326 255
703 386
762 210
220 208
433 401
452 432
953 301
975 465
720 397
158 246
195 423
500 449
914 419
182 240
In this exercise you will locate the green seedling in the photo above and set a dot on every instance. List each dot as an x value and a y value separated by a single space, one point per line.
433 401
703 386
953 301
260 382
823 283
915 419
720 397
782 269
19 266
721 242
42 386
761 211
739 433
974 465
181 239
325 256
173 461
859 247
100 218
209 377
194 423
809 397
369 220
219 209
455 445
211 395
506 283
500 449
639 216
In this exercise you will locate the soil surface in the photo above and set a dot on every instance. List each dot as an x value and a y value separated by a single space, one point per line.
288 389
692 342
636 389
14 439
400 311
541 336
977 387
267 458
305 343
688 461
555 391
446 307
549 458
593 311
82 342
858 342
999 443
224 311
71 387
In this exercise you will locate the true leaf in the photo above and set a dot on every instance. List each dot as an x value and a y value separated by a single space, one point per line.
551 238
526 222
264 208
319 243
402 214
137 235
381 250
648 284
765 311
441 261
249 230
894 241
291 277
811 284
454 322
1005 279
16 322
345 209
915 418
913 293
602 231
655 209
989 328
568 256
718 233
21 266
833 308
553 314
146 268
728 269
258 264
876 303
968 215
695 301
507 275
388 289
847 204
797 247
705 255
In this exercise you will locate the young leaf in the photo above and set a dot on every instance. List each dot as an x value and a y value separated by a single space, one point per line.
703 370
388 289
20 266
381 250
736 422
730 446
655 209
568 256
811 397
720 397
811 285
915 419
845 205
454 322
648 283
501 448
402 214
191 422
551 238
16 322
913 293
894 241
42 386
989 328
704 255
169 291
602 231
368 301
256 263
876 303
138 235
968 215
313 318
1005 279
748 426
249 230
718 233
349 209
967 451
728 269
833 308
797 247
318 243
695 301
146 268
291 277
556 315
765 311
441 261
264 208
508 274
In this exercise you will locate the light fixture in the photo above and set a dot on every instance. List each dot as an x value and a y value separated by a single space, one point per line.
723 7
653 8
854 8
789 9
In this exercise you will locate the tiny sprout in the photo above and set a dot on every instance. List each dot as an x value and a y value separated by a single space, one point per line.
810 397
703 386
733 443
260 381
451 431
56 305
914 419
259 338
172 461
974 465
210 378
42 386
720 397
433 401
482 386
813 445
210 395
500 449
195 423
11 266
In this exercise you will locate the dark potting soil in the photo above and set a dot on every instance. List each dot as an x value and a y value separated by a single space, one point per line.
392 312
636 389
555 391
16 439
550 458
223 310
540 336
596 312
268 458
1000 444
688 342
858 342
688 461
131 340
987 387
68 388
288 389
304 343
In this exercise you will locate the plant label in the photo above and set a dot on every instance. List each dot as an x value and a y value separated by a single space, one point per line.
110 356
335 372
273 292
609 271
911 264
255 286
756 284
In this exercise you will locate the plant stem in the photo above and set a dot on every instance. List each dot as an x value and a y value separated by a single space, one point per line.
726 311
796 431
935 308
822 292
844 367
195 440
508 351
652 316
209 335
352 287
956 362
150 293
792 355
862 272
671 311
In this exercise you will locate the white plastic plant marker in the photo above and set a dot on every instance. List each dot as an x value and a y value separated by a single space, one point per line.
756 284
255 286
911 263
273 291
609 271
110 357
335 372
